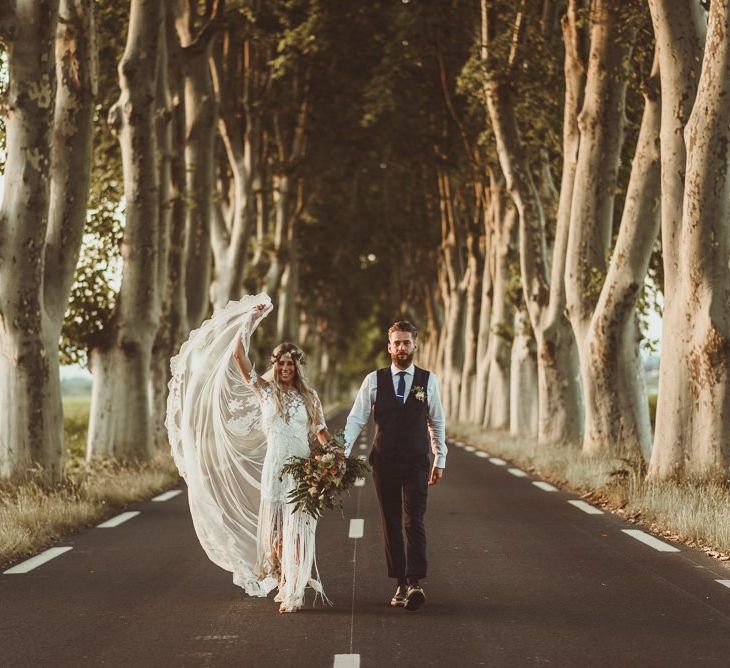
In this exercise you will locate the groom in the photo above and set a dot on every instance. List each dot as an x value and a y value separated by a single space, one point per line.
408 418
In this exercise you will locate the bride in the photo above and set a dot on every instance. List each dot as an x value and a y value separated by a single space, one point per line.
231 431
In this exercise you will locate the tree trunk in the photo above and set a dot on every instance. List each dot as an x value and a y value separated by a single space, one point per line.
455 286
523 404
240 128
200 115
31 423
694 432
497 408
560 410
471 325
168 334
617 412
679 26
120 425
601 124
493 213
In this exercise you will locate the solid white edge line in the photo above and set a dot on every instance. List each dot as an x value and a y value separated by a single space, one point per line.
40 559
360 482
119 519
585 507
724 583
545 486
497 461
166 496
518 473
483 455
357 528
651 541
347 661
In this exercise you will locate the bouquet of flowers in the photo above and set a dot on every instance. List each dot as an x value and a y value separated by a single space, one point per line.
322 477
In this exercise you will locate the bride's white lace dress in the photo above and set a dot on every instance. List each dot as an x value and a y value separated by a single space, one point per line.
229 443
286 538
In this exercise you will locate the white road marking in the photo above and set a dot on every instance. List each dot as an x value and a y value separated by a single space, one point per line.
119 519
458 444
481 454
363 457
166 496
518 473
497 461
650 540
545 486
38 560
724 583
357 529
469 448
347 661
363 446
360 482
585 507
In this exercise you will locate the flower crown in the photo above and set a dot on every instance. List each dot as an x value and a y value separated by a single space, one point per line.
296 354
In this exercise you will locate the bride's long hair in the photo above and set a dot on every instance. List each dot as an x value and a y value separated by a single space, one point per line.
300 381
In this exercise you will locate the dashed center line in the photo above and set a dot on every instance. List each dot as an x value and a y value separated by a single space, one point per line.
545 486
469 448
483 455
40 559
497 461
585 507
119 519
166 496
650 540
357 528
724 583
363 446
519 473
347 661
360 482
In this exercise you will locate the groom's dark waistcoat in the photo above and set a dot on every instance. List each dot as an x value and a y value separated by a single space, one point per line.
401 434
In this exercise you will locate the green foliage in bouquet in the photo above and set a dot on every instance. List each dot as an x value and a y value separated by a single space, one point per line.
323 477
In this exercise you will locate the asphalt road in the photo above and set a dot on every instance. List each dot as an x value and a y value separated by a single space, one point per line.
519 576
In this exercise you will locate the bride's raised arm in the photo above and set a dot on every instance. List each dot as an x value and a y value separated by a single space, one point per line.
244 363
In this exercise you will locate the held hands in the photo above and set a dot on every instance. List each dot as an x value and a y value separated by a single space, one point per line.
435 476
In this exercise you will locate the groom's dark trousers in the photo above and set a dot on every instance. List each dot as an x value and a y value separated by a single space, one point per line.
400 472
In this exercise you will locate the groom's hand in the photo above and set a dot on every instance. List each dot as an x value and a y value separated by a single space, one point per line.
436 474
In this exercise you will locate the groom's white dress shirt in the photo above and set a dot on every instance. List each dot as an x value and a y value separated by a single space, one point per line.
365 401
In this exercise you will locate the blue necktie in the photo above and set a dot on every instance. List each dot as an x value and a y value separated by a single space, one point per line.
401 393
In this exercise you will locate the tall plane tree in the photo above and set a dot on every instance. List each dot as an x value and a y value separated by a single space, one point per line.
50 50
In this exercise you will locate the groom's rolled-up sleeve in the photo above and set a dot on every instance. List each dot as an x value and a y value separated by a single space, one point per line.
359 413
436 423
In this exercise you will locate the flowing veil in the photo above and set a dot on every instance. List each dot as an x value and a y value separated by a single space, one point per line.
214 427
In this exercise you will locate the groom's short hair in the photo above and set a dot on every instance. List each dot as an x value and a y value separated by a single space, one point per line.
403 326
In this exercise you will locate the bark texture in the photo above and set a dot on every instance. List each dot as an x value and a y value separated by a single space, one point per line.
693 415
617 413
497 408
523 379
122 368
30 406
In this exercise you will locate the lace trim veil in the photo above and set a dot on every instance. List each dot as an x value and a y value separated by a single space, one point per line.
214 427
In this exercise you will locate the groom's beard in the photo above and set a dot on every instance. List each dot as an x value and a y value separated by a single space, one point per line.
402 360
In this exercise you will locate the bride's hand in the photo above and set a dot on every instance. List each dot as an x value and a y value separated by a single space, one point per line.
258 311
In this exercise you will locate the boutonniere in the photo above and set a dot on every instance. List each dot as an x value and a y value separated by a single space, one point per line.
419 393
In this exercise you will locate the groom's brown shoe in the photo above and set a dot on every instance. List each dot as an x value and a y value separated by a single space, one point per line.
415 597
399 598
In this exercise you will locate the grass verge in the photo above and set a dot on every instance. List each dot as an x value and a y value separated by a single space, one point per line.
693 513
35 514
